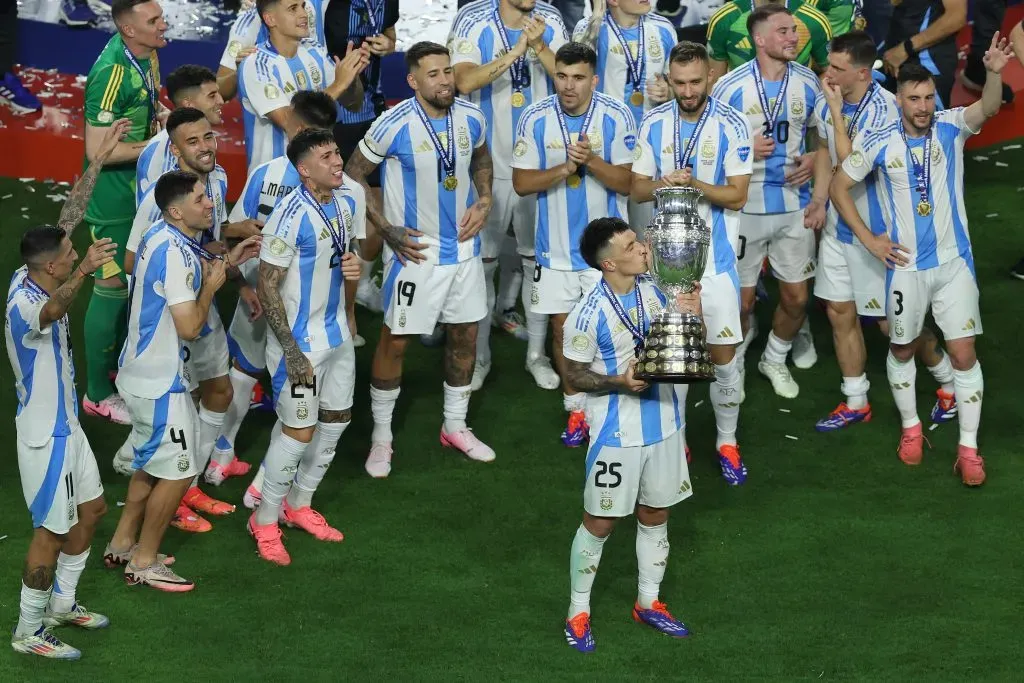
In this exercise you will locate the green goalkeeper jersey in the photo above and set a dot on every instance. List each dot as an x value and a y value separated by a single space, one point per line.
728 40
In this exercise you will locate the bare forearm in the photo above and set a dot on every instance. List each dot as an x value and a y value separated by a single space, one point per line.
273 305
547 60
469 80
583 378
123 153
844 145
482 169
945 26
642 188
822 175
526 182
77 202
617 178
60 302
992 94
350 97
589 36
726 196
227 83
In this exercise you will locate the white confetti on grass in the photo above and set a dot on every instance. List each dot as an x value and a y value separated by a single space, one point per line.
1002 165
1011 146
935 425
991 215
791 437
784 410
698 404
980 158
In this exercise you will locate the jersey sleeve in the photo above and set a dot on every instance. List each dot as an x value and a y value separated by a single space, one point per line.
624 141
390 13
376 144
718 33
579 29
280 236
556 33
526 153
463 49
248 205
579 333
147 214
260 87
359 215
102 91
645 161
29 307
868 152
478 128
222 180
739 158
243 34
814 96
956 118
176 283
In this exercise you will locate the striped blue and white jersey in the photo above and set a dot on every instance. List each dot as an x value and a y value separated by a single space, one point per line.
613 73
941 236
723 149
248 30
155 160
413 174
562 211
148 212
266 82
879 111
769 193
167 273
266 186
297 238
593 333
44 370
475 39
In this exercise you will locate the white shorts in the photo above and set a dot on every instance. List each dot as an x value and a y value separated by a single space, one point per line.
781 237
720 302
207 356
165 434
508 207
950 290
334 384
619 478
553 292
56 478
849 272
417 296
640 215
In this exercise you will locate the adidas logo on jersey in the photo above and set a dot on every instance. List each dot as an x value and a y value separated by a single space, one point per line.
896 163
809 268
754 110
873 305
743 44
726 334
969 326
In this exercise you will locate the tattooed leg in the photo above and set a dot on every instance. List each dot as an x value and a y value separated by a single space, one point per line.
460 354
387 360
41 559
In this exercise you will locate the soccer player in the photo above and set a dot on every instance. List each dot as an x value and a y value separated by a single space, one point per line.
777 95
437 194
635 462
58 471
920 159
308 250
187 86
504 59
282 66
172 289
573 151
851 281
704 143
123 82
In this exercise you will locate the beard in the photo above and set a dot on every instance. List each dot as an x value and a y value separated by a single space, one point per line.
441 102
911 122
690 110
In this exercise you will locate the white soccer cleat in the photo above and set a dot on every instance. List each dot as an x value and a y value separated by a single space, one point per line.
780 377
78 616
378 464
44 644
480 372
464 440
111 408
368 296
543 374
804 353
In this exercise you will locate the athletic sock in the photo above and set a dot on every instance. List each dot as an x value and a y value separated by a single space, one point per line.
584 559
32 606
651 558
725 399
483 334
106 307
855 389
210 426
777 349
242 386
382 407
456 407
903 379
65 581
318 457
281 462
969 386
574 402
943 373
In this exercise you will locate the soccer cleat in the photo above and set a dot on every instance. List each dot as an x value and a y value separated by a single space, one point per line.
44 644
16 96
464 440
378 463
368 295
733 470
260 400
186 520
659 618
268 542
252 497
945 408
216 473
76 13
512 322
804 353
577 633
111 408
543 374
970 465
911 448
114 558
78 616
158 576
843 416
577 430
310 521
480 372
780 377
200 502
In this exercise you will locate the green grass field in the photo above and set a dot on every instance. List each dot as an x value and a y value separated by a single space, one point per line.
834 562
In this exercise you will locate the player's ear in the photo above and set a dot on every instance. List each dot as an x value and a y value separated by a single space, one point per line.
411 80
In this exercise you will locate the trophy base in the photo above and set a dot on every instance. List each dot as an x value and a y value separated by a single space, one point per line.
675 351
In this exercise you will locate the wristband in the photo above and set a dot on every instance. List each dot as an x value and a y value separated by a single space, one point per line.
908 47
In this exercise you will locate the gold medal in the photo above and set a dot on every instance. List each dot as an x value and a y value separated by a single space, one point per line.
924 208
154 127
450 183
637 98
573 181
518 99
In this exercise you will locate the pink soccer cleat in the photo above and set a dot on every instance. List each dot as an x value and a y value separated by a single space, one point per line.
464 440
268 542
311 521
970 465
111 408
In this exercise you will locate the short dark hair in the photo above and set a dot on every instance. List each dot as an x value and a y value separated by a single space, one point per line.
187 77
422 49
858 46
181 116
119 8
596 236
912 72
763 14
172 186
40 242
686 51
264 5
316 109
307 140
576 53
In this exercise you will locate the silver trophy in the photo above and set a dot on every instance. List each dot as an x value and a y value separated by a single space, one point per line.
675 350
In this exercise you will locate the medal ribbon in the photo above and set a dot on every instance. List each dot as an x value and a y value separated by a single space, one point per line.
637 67
638 330
196 246
447 156
922 172
583 130
682 161
147 79
339 244
518 70
375 15
861 107
773 116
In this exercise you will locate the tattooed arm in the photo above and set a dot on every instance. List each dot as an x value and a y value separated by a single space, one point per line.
380 229
589 36
581 377
300 370
74 208
482 169
100 253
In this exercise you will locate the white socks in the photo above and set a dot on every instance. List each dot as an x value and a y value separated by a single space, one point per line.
583 562
483 334
65 580
32 606
242 385
943 373
382 407
281 462
456 407
651 560
725 399
969 387
210 424
574 402
777 349
902 380
536 323
315 461
855 389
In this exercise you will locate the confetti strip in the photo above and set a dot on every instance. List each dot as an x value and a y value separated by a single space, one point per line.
991 215
980 158
3 537
784 410
698 404
934 426
120 503
1011 146
1002 165
793 438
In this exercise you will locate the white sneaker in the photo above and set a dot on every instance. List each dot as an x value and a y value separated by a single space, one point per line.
804 353
778 374
543 374
358 341
480 372
512 322
78 616
369 297
464 440
378 464
44 644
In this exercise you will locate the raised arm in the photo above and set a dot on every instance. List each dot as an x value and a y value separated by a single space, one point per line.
189 317
589 35
995 59
77 202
